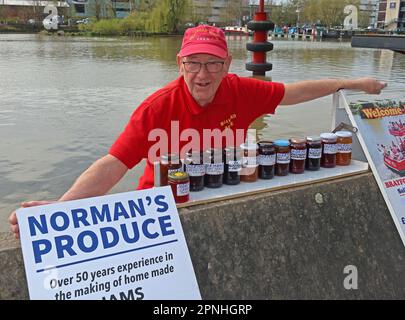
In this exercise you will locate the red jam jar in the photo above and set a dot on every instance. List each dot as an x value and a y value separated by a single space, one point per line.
314 153
298 154
282 157
329 150
195 167
214 168
180 184
169 163
266 159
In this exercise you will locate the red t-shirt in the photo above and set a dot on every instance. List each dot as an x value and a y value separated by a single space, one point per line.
237 103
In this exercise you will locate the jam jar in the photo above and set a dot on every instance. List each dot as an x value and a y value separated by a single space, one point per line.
250 167
314 153
232 157
195 167
298 154
169 163
266 159
282 157
214 168
180 184
329 150
344 148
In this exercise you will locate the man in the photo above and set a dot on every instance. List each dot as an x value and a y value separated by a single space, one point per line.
205 96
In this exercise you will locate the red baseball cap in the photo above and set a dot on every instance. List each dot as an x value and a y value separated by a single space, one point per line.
204 39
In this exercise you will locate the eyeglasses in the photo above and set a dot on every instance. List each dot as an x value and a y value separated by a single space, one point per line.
195 67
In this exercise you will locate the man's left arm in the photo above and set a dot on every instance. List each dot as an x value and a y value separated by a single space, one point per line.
312 89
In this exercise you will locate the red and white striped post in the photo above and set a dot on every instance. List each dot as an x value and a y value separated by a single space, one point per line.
260 27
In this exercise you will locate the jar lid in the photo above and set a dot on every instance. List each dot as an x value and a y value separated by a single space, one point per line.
296 140
194 154
314 139
178 176
266 144
328 136
171 157
213 153
232 150
282 143
344 134
249 146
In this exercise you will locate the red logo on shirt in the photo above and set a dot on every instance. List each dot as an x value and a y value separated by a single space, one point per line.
229 122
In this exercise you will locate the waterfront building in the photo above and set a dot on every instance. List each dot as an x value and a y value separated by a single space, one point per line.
370 7
102 8
391 15
29 10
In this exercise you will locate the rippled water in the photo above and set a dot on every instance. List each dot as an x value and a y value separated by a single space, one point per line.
64 100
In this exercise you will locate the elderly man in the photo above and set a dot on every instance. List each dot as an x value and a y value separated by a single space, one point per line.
205 96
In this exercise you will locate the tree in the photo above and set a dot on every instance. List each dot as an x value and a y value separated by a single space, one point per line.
176 13
233 13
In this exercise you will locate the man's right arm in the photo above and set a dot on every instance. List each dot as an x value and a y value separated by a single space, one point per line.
97 180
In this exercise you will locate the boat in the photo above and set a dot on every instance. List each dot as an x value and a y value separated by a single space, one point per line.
397 133
235 30
396 166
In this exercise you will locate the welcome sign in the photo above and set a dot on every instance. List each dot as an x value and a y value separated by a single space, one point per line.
381 133
122 246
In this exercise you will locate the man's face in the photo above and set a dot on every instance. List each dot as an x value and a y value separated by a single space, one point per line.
203 84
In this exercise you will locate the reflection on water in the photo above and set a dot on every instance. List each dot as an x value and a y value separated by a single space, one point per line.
64 100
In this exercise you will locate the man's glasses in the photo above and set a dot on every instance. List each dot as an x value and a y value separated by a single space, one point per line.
195 67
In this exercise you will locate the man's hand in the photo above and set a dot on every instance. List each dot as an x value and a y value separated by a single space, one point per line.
12 219
369 85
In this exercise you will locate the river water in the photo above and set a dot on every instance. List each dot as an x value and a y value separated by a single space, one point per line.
64 100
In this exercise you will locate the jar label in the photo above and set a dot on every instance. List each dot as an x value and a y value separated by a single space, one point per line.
314 153
214 168
267 159
283 158
249 161
195 170
174 170
329 148
183 189
298 154
344 147
234 166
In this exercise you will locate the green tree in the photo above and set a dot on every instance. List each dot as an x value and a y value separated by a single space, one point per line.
233 13
177 10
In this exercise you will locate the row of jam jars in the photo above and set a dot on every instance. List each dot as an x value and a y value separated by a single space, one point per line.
180 184
329 150
266 159
195 167
214 168
169 163
298 154
282 157
232 157
250 167
344 148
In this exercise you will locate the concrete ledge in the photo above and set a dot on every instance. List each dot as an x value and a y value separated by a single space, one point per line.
291 244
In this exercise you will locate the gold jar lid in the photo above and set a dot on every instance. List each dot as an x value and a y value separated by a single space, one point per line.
178 176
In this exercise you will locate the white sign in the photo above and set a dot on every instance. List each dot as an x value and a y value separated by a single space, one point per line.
122 246
381 133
